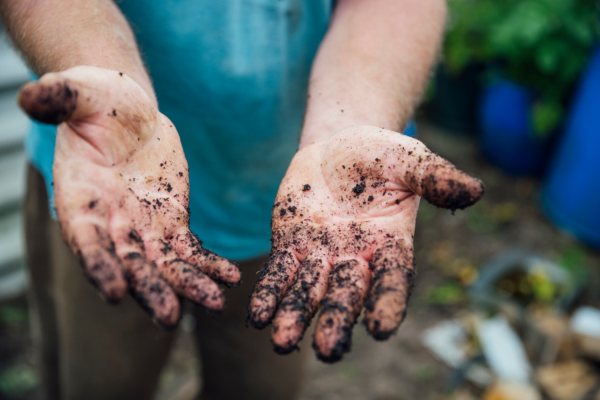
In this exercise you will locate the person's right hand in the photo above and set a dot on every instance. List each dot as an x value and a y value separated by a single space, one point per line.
122 191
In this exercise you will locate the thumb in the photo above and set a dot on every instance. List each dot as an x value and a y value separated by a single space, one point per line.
439 182
51 100
83 91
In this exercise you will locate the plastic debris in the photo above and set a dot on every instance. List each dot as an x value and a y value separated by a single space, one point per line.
503 350
448 341
586 321
585 326
571 380
503 390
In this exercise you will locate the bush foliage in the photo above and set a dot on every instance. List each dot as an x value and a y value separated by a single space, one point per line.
541 44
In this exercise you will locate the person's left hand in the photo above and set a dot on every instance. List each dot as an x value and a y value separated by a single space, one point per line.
343 225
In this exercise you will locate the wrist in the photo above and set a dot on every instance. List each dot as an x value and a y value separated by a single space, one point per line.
323 129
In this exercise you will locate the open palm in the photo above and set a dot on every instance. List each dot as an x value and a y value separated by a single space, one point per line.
343 225
122 192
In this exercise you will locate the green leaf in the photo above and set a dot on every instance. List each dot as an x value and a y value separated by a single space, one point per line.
581 32
549 54
458 57
572 66
574 259
424 372
479 219
541 44
348 371
17 380
449 293
13 315
546 117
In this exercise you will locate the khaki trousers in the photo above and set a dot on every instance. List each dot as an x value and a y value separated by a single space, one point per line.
90 350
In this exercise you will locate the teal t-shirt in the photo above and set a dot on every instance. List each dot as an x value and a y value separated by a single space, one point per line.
232 75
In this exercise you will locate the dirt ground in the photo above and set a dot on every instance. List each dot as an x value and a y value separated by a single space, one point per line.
400 368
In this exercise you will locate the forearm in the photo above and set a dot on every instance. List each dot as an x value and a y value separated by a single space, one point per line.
372 66
55 35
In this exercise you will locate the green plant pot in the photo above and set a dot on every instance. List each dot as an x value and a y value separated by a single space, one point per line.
454 104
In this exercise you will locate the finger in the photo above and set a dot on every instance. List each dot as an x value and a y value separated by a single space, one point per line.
438 181
146 284
348 284
393 270
96 252
186 279
189 247
300 304
190 282
276 276
151 291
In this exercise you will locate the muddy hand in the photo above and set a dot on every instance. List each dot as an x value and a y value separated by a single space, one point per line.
343 225
122 191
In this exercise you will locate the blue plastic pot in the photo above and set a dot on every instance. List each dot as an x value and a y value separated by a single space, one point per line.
571 189
506 135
